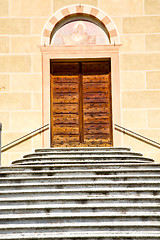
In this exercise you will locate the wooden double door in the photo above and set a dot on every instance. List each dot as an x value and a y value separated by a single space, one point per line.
81 112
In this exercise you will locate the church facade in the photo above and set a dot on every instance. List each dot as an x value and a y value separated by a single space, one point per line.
85 68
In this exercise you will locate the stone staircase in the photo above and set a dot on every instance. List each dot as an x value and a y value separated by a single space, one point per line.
80 193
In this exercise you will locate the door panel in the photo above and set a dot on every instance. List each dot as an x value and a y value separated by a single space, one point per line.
81 104
64 105
97 104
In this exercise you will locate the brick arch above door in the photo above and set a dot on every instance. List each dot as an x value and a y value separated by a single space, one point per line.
80 9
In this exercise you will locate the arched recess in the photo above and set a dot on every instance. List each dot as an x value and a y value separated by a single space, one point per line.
80 9
80 53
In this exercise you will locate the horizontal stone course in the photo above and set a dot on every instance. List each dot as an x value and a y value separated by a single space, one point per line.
152 42
59 4
29 8
26 82
25 44
143 24
4 82
4 44
30 119
15 63
153 118
133 80
140 61
126 8
152 80
141 99
15 26
152 7
15 101
135 118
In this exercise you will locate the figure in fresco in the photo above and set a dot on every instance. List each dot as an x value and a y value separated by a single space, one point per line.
79 36
79 33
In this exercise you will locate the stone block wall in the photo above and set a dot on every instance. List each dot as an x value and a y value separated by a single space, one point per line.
21 24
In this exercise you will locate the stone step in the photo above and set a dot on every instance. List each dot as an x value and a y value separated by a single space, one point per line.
79 199
125 191
95 235
34 163
128 208
80 193
87 179
85 172
92 164
80 185
76 166
84 235
80 218
108 158
79 227
82 153
83 149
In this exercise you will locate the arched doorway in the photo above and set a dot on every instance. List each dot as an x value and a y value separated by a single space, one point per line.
81 90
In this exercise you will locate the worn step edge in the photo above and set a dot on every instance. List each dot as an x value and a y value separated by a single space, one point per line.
84 235
79 215
82 153
92 163
82 171
87 205
115 178
83 149
52 164
79 224
76 198
56 184
81 163
74 191
124 157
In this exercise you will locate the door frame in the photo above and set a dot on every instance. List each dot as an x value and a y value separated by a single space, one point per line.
88 53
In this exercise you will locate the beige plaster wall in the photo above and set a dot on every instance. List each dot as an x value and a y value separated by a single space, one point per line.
21 24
